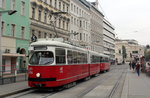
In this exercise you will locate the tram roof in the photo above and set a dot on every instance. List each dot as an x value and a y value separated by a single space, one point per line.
60 43
56 43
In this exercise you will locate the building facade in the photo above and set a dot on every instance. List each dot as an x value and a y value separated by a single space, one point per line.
80 22
109 39
133 49
15 35
96 24
50 18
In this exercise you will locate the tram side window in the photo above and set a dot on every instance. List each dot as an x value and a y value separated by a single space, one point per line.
70 57
106 59
102 59
60 56
75 57
84 58
93 59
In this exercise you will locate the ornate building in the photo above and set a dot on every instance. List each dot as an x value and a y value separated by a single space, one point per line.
133 49
50 18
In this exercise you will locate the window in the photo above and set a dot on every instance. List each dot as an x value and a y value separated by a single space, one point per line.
95 59
74 21
71 6
67 9
42 58
50 35
59 23
45 1
45 17
39 35
13 29
2 4
2 28
119 51
60 56
64 7
75 57
50 2
74 8
55 3
22 8
63 24
80 36
67 25
4 63
45 35
13 4
71 19
80 23
59 5
134 51
33 12
39 15
23 32
69 57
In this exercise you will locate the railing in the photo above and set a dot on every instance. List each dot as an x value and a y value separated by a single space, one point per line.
13 75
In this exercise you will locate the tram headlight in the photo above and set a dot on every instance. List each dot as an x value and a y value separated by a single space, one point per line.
38 75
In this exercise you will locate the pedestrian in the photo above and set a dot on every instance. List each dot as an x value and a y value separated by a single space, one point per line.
133 65
138 67
130 64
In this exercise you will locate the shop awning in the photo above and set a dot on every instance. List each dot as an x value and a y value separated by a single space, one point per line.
13 55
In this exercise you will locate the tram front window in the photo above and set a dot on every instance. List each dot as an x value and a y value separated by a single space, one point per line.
42 58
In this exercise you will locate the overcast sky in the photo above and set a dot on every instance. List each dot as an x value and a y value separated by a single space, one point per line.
131 18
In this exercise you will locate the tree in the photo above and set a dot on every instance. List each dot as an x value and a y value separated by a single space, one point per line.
147 46
147 55
124 54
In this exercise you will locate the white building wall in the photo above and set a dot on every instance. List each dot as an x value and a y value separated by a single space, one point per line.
80 23
109 39
96 30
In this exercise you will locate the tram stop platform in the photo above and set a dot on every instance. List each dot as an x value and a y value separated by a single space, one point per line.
134 86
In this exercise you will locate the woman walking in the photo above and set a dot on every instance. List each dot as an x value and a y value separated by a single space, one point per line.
138 67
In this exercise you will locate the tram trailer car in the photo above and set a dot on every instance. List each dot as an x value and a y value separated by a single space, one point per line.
54 63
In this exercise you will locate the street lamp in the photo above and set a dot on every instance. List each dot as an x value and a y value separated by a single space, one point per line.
10 12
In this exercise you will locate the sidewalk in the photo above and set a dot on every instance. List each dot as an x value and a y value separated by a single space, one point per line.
136 87
8 89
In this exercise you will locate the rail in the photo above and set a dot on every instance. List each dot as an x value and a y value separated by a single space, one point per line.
13 75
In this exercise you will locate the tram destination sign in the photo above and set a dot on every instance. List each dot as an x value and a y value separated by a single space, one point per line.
40 47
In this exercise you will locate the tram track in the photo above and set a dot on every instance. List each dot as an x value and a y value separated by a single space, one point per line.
112 92
105 78
43 94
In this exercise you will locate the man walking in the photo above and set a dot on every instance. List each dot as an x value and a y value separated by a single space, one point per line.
138 67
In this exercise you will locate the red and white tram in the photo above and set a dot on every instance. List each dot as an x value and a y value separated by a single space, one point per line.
55 63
